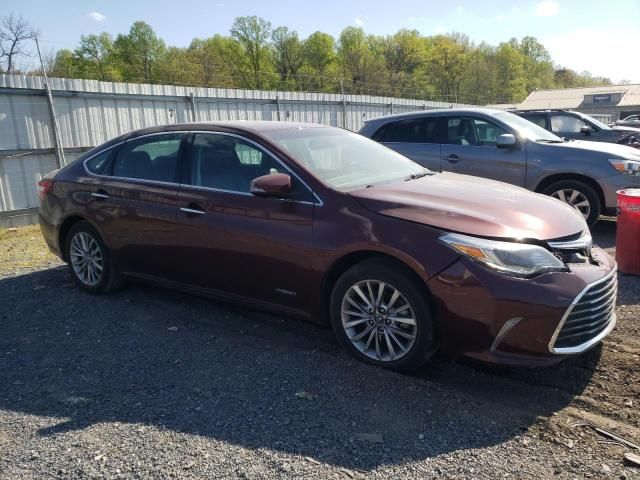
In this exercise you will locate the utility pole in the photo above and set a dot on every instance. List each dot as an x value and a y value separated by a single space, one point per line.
60 160
344 105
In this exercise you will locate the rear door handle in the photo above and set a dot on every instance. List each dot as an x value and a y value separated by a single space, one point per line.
100 195
453 158
192 210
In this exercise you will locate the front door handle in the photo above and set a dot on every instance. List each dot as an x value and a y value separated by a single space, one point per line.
192 210
100 195
453 158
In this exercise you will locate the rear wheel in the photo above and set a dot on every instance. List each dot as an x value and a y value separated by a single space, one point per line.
578 195
382 316
89 260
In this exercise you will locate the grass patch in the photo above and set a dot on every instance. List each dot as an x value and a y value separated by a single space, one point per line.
23 249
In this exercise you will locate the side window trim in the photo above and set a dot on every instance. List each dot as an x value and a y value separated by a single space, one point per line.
186 172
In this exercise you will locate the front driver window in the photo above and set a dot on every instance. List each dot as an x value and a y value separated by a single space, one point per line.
566 124
473 132
228 163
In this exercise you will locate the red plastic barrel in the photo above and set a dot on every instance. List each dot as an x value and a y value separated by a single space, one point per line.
628 231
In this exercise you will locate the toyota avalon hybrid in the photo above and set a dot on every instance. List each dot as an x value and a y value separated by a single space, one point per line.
324 224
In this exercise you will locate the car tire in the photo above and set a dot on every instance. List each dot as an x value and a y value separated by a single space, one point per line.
89 260
403 327
563 190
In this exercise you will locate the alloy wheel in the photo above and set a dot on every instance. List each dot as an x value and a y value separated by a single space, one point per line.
86 258
379 320
574 198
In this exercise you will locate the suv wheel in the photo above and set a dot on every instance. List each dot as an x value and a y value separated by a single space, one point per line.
382 317
579 195
89 260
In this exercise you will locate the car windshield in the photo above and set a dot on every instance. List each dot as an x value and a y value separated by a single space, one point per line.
345 160
527 129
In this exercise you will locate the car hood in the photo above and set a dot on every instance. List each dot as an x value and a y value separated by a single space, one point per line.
612 150
626 129
473 205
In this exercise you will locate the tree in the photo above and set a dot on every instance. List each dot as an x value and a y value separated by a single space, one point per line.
319 55
252 33
97 54
288 53
512 83
14 34
446 60
141 52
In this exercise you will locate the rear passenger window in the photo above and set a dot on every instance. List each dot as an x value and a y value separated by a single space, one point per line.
539 119
100 162
150 158
412 130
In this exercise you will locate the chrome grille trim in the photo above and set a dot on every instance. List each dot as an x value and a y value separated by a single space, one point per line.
594 314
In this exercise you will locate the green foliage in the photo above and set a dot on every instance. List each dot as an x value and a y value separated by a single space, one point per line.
406 64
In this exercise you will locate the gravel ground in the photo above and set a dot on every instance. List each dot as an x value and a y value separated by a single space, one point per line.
149 383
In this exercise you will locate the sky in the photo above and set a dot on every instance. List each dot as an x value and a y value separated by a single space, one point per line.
597 36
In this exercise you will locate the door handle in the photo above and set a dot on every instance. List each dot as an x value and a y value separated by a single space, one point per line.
100 195
453 158
192 210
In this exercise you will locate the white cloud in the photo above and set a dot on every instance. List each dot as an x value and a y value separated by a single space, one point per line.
459 9
97 16
440 29
591 50
547 8
498 18
358 21
219 4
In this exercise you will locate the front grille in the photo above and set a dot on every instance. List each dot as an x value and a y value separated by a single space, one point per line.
590 315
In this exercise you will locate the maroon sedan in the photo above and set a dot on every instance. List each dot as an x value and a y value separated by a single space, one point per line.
324 224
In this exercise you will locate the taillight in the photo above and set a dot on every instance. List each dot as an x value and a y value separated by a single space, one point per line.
43 188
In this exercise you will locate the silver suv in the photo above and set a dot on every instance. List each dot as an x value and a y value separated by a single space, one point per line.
503 146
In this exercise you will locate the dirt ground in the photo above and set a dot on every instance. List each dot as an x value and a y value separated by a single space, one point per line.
149 383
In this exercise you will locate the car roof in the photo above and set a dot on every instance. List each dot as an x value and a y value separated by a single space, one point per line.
255 126
437 111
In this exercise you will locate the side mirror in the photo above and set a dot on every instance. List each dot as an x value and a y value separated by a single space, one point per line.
272 185
586 129
506 140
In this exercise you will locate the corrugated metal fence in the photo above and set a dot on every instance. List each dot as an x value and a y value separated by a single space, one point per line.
90 112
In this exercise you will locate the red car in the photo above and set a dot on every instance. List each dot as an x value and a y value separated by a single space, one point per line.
324 224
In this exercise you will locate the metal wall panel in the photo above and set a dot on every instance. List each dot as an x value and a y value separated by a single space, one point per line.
90 112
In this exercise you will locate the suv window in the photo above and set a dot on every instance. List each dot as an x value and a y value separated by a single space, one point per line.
539 119
149 158
562 123
224 162
473 131
411 130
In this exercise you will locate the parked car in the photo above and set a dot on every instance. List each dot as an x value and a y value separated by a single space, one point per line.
630 121
579 126
503 146
319 222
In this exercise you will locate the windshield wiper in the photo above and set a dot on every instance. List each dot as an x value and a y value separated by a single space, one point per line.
544 140
413 176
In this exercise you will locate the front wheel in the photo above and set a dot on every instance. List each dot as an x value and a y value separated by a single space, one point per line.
578 195
381 315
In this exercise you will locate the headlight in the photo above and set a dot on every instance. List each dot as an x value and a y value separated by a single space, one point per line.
626 167
510 258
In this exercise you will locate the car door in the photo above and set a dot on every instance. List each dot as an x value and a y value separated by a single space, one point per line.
418 138
471 149
134 202
233 242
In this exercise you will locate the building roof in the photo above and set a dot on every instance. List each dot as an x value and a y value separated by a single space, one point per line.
575 97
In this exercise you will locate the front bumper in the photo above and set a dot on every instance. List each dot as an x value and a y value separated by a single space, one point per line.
499 319
610 185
